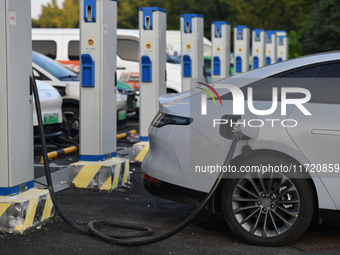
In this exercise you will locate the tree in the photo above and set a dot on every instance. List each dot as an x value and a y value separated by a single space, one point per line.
321 30
294 45
50 16
70 14
54 17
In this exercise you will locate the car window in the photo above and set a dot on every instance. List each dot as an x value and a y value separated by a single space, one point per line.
173 59
128 49
54 68
327 85
73 50
48 48
263 89
301 79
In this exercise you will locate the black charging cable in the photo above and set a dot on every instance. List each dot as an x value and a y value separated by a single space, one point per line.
115 238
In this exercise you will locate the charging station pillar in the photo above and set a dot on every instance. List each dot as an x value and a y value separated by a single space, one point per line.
192 50
282 46
98 44
259 48
21 205
241 49
152 52
98 168
16 101
271 47
220 61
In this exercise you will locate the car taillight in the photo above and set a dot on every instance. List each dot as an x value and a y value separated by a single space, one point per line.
163 119
149 178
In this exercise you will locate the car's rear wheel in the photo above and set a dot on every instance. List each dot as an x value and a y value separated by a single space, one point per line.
71 122
268 209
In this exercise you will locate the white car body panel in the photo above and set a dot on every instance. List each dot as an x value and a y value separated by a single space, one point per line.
50 101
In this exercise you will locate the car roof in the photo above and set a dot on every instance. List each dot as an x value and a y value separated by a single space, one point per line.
277 68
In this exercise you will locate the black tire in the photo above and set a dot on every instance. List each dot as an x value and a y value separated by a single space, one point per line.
288 195
71 122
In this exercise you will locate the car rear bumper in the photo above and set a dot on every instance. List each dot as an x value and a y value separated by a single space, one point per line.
172 192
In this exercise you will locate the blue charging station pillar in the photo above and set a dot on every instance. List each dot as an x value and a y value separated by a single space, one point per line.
19 201
282 46
192 50
98 44
98 168
220 39
258 48
241 49
152 49
271 47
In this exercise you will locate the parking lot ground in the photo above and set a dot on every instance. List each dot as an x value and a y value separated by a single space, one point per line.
208 234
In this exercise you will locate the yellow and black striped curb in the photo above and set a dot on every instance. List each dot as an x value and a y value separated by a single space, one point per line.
18 213
102 175
140 150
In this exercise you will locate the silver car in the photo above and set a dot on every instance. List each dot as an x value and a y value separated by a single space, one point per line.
50 101
283 175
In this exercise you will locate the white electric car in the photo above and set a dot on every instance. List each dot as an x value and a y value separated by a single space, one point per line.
50 101
67 83
283 175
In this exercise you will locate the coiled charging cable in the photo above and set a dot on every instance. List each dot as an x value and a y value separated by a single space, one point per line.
116 238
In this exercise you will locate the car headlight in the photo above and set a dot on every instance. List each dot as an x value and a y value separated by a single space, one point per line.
163 119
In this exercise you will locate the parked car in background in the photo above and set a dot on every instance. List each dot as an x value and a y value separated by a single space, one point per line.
50 101
67 83
132 97
62 45
280 179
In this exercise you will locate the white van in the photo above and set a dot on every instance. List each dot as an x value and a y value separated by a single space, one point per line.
63 46
173 44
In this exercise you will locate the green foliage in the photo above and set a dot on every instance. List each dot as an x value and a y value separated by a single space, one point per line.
54 17
294 45
321 30
70 14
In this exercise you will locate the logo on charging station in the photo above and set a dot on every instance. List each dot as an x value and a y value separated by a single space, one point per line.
148 46
188 46
90 42
218 49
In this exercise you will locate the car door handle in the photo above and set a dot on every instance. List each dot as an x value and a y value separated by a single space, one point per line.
121 68
325 132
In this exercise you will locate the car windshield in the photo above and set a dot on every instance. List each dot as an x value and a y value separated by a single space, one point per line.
173 59
54 68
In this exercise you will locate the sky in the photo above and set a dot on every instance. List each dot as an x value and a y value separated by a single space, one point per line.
36 6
